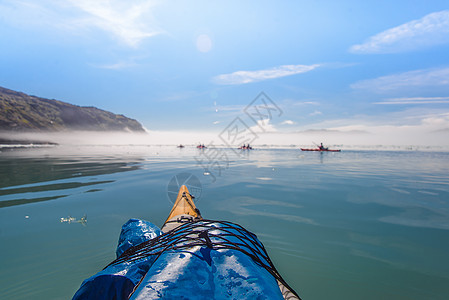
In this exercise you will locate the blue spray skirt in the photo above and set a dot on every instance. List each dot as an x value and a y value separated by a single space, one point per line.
199 260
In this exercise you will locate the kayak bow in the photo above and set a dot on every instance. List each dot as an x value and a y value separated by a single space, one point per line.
191 258
183 210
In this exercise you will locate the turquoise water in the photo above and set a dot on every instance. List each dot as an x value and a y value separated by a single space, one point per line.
349 225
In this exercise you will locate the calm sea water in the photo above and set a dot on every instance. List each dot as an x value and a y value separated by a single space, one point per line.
349 225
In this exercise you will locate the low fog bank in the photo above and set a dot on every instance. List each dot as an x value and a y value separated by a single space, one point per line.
81 138
403 139
71 137
385 139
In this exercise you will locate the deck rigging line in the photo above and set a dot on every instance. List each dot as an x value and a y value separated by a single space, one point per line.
213 234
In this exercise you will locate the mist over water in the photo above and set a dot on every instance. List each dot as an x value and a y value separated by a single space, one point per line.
384 139
352 225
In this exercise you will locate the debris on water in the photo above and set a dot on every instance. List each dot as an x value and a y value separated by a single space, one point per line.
83 220
69 219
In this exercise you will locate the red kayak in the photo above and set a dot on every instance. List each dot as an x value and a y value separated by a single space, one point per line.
321 150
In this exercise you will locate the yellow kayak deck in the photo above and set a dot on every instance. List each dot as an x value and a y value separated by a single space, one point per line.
183 210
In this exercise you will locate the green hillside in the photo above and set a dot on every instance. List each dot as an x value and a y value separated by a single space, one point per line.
25 113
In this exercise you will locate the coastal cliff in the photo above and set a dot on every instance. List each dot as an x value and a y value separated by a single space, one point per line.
20 112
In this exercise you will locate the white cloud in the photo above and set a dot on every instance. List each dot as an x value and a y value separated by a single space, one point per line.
288 122
415 100
431 30
128 23
316 113
437 121
242 77
263 126
406 80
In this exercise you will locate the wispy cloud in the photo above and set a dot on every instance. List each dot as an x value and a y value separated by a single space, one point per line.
431 30
129 23
412 79
303 103
28 13
315 113
182 95
231 108
123 64
242 77
415 100
288 122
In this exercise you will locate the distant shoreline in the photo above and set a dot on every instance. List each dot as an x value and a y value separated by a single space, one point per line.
5 141
27 144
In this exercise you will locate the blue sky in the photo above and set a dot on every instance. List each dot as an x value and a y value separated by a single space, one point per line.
376 71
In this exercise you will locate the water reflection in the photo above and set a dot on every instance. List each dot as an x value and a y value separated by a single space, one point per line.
22 201
20 171
28 177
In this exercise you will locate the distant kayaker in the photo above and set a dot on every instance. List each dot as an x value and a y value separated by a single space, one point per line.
321 147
